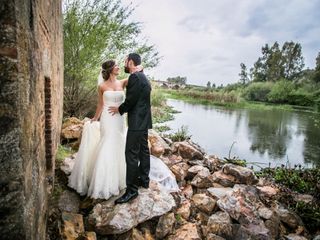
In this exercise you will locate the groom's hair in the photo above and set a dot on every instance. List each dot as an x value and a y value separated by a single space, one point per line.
135 57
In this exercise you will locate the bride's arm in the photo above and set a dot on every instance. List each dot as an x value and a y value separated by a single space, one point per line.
99 105
125 81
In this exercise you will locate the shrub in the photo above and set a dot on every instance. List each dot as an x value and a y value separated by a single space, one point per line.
300 97
257 91
280 91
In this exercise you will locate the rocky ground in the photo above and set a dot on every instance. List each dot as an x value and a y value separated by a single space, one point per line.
218 200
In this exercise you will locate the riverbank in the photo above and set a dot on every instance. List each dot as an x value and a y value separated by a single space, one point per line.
218 200
227 100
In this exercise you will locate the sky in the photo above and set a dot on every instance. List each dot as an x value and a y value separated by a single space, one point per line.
206 40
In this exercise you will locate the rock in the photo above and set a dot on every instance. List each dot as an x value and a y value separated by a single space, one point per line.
180 170
172 160
69 202
184 209
253 231
158 145
147 235
107 218
204 203
194 170
289 217
268 191
136 235
306 198
218 193
273 225
203 179
202 218
71 121
213 163
187 151
293 236
220 224
88 236
223 179
265 213
212 236
72 225
165 225
242 175
187 191
241 204
196 163
68 163
186 232
72 128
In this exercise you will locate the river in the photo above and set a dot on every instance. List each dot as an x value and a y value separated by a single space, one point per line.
261 137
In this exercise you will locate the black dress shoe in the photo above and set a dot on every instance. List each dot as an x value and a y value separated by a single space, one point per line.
128 196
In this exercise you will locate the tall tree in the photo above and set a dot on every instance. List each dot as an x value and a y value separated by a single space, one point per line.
208 84
293 61
274 63
316 75
244 79
96 30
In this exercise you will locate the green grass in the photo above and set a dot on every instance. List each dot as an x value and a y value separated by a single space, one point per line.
62 153
180 95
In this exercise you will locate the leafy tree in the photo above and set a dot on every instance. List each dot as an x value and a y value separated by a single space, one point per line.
177 80
316 75
274 64
244 79
293 61
208 84
96 30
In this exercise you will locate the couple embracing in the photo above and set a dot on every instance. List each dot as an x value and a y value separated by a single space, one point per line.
109 157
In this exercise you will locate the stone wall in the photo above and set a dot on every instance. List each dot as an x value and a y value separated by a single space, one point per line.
31 95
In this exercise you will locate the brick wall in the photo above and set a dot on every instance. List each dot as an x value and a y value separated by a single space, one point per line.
31 95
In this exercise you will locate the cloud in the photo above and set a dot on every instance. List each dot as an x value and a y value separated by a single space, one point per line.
207 40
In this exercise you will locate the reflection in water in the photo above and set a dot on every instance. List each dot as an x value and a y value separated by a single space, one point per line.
261 136
269 132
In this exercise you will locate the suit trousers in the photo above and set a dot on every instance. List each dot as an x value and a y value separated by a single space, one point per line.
137 159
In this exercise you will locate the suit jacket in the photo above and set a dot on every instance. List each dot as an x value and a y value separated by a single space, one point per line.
137 103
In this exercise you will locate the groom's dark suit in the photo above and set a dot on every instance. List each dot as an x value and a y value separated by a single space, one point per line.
137 105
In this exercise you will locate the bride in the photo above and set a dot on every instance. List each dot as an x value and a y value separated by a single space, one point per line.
100 167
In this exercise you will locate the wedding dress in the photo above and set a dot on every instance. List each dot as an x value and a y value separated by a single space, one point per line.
100 168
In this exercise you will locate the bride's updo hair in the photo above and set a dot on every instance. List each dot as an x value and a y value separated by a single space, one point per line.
107 69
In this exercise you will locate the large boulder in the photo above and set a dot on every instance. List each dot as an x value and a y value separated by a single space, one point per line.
107 218
218 193
204 203
185 209
253 231
242 175
180 170
241 204
72 128
186 150
187 231
158 146
203 179
72 227
165 225
220 224
223 179
69 202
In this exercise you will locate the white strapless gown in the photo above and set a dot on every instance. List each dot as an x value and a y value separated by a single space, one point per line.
100 168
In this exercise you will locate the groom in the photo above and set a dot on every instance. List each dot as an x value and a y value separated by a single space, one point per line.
137 105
